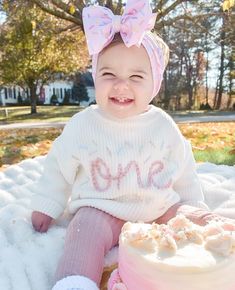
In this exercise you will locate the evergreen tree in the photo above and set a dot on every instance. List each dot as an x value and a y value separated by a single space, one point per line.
79 90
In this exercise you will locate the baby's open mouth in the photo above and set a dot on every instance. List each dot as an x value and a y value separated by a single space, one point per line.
121 101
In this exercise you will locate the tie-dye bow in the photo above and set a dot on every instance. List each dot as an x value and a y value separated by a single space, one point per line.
100 24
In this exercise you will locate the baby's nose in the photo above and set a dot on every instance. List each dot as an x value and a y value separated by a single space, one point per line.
121 85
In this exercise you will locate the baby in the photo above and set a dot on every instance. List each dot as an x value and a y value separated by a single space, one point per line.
122 159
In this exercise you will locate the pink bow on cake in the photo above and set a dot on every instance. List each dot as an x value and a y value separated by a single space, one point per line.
100 24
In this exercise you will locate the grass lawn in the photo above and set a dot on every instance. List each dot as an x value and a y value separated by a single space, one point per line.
212 142
44 113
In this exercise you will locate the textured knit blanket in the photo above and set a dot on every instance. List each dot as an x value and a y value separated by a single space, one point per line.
28 259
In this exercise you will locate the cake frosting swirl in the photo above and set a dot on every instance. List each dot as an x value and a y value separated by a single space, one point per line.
176 256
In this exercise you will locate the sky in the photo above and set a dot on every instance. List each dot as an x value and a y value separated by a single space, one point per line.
28 259
2 17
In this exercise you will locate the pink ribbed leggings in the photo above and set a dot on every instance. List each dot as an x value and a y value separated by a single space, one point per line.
90 235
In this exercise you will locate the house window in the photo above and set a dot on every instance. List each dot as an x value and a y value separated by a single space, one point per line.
57 92
53 91
23 94
6 94
61 93
14 92
10 93
69 91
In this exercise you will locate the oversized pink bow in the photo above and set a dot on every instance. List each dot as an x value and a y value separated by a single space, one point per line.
100 24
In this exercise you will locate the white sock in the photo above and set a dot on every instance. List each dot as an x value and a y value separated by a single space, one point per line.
75 283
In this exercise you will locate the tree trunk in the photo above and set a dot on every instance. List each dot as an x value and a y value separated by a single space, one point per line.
33 98
196 98
230 92
189 81
207 69
216 93
166 95
190 96
221 76
190 88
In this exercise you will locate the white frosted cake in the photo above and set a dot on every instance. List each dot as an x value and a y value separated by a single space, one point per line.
176 256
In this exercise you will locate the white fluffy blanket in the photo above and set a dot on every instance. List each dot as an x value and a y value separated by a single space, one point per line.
28 259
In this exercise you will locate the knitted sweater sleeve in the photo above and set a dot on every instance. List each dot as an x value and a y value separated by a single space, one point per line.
52 191
188 184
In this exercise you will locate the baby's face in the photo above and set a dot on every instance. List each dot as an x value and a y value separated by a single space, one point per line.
123 83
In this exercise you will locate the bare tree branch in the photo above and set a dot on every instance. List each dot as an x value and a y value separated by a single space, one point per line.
80 4
101 2
59 9
58 13
109 4
71 27
193 19
119 7
168 9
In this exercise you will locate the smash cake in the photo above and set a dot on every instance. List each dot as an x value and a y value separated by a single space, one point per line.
177 256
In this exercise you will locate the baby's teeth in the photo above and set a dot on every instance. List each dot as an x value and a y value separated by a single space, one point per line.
122 100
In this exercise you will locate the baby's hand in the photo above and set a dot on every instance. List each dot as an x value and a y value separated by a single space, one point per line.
202 217
196 215
40 221
227 223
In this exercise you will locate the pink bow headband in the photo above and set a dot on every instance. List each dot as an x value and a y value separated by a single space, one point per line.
134 26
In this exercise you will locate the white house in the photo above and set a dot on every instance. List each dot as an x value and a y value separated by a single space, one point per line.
10 95
58 88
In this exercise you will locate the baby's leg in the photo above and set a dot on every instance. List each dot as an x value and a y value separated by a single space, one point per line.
90 235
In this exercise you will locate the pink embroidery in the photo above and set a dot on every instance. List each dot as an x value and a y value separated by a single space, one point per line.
155 168
137 170
96 167
102 178
119 175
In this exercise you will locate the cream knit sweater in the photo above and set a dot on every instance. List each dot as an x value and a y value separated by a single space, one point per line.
134 168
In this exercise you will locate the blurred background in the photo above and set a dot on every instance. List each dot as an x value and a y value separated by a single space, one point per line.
45 73
44 60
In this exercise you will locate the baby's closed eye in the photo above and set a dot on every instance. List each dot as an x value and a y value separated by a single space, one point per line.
108 74
136 77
